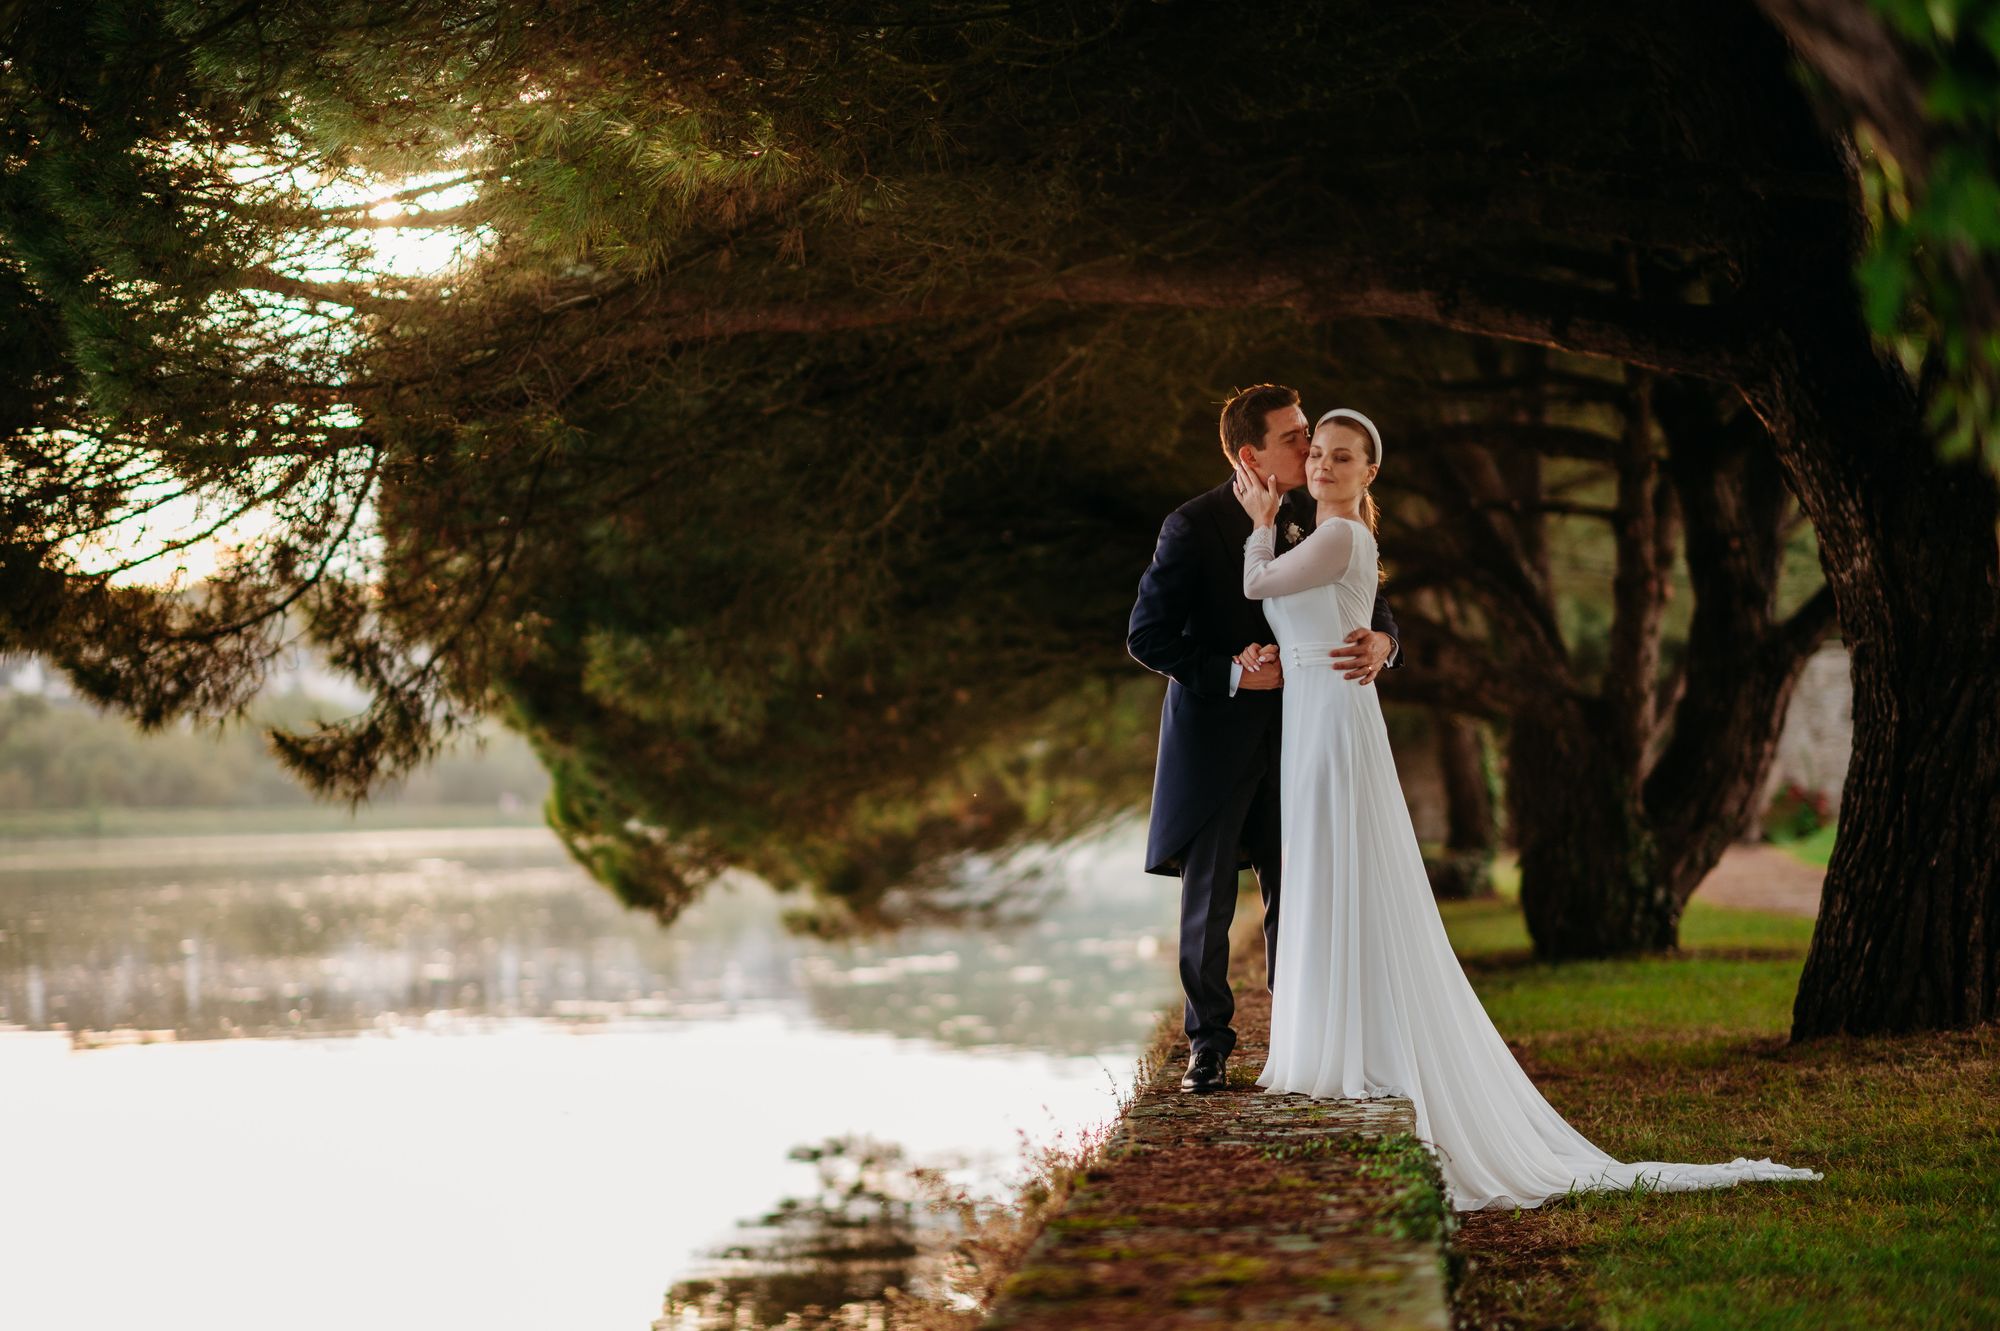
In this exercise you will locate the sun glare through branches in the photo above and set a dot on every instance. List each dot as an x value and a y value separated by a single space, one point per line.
379 239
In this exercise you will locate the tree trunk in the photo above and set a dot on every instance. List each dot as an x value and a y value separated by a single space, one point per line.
1467 868
1909 926
1905 939
1468 797
1625 796
1741 663
1612 845
1590 882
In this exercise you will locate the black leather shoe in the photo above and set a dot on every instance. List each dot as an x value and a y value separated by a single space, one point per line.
1205 1073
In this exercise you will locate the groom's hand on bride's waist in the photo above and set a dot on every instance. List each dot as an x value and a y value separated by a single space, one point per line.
1259 667
1363 655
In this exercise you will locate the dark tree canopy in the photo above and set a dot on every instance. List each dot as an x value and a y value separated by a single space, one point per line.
783 463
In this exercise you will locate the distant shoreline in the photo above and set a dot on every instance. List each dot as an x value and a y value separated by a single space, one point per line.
44 824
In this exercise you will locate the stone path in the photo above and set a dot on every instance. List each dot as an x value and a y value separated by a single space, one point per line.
1277 1211
1244 1209
1755 877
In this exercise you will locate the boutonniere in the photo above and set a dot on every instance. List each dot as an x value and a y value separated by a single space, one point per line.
1293 534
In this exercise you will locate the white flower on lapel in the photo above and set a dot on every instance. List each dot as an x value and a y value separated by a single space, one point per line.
1293 534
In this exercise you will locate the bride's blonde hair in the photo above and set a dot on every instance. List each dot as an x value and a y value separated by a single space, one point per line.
1371 513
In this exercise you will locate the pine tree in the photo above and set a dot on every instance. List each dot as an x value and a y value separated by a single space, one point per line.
786 456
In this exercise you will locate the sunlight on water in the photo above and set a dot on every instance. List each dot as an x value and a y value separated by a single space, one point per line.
519 1178
439 1079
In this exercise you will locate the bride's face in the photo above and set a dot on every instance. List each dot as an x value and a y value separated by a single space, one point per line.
1337 465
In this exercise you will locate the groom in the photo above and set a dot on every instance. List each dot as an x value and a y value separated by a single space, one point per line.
1215 791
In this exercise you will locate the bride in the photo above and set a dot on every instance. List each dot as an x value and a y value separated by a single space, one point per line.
1369 999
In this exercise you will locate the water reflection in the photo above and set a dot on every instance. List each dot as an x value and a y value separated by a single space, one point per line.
204 938
825 1261
498 1100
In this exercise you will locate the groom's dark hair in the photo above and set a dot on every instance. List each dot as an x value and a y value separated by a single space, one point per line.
1243 416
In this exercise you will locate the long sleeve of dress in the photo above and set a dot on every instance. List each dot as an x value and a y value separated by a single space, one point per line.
1319 559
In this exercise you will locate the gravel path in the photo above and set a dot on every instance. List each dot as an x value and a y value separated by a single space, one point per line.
1242 1208
1756 877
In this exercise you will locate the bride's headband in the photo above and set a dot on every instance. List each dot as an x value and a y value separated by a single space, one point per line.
1343 413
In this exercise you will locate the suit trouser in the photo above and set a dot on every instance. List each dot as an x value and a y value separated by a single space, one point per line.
1247 822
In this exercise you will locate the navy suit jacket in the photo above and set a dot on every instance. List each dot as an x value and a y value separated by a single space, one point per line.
1189 622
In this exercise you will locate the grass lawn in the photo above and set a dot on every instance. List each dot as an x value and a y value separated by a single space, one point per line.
1816 849
1685 1058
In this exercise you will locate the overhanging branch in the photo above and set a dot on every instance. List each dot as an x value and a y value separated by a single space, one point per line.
1704 341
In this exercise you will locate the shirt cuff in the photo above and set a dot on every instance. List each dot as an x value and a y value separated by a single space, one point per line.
1235 676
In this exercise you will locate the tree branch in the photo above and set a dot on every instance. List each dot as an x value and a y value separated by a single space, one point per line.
355 295
1638 588
1808 626
1706 341
1851 47
1561 441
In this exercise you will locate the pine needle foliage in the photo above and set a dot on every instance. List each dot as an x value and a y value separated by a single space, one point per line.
781 457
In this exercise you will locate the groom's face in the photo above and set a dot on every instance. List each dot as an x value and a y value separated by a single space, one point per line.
1283 456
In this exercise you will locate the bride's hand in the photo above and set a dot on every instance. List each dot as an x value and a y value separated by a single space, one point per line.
1259 496
1256 656
1261 667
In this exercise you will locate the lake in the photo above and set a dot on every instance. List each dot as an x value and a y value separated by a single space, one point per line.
423 1078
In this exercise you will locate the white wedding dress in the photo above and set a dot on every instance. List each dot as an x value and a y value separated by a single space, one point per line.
1369 998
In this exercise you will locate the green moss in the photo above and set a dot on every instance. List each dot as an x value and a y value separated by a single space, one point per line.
1104 1253
1188 1296
1233 1269
1218 1273
1047 1283
1080 1224
1349 1277
1309 1148
1419 1210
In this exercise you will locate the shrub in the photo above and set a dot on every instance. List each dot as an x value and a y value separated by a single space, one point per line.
1796 812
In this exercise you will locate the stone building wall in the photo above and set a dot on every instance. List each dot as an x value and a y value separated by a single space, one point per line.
1818 736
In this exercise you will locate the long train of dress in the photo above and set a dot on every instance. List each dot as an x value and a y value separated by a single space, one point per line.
1369 998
